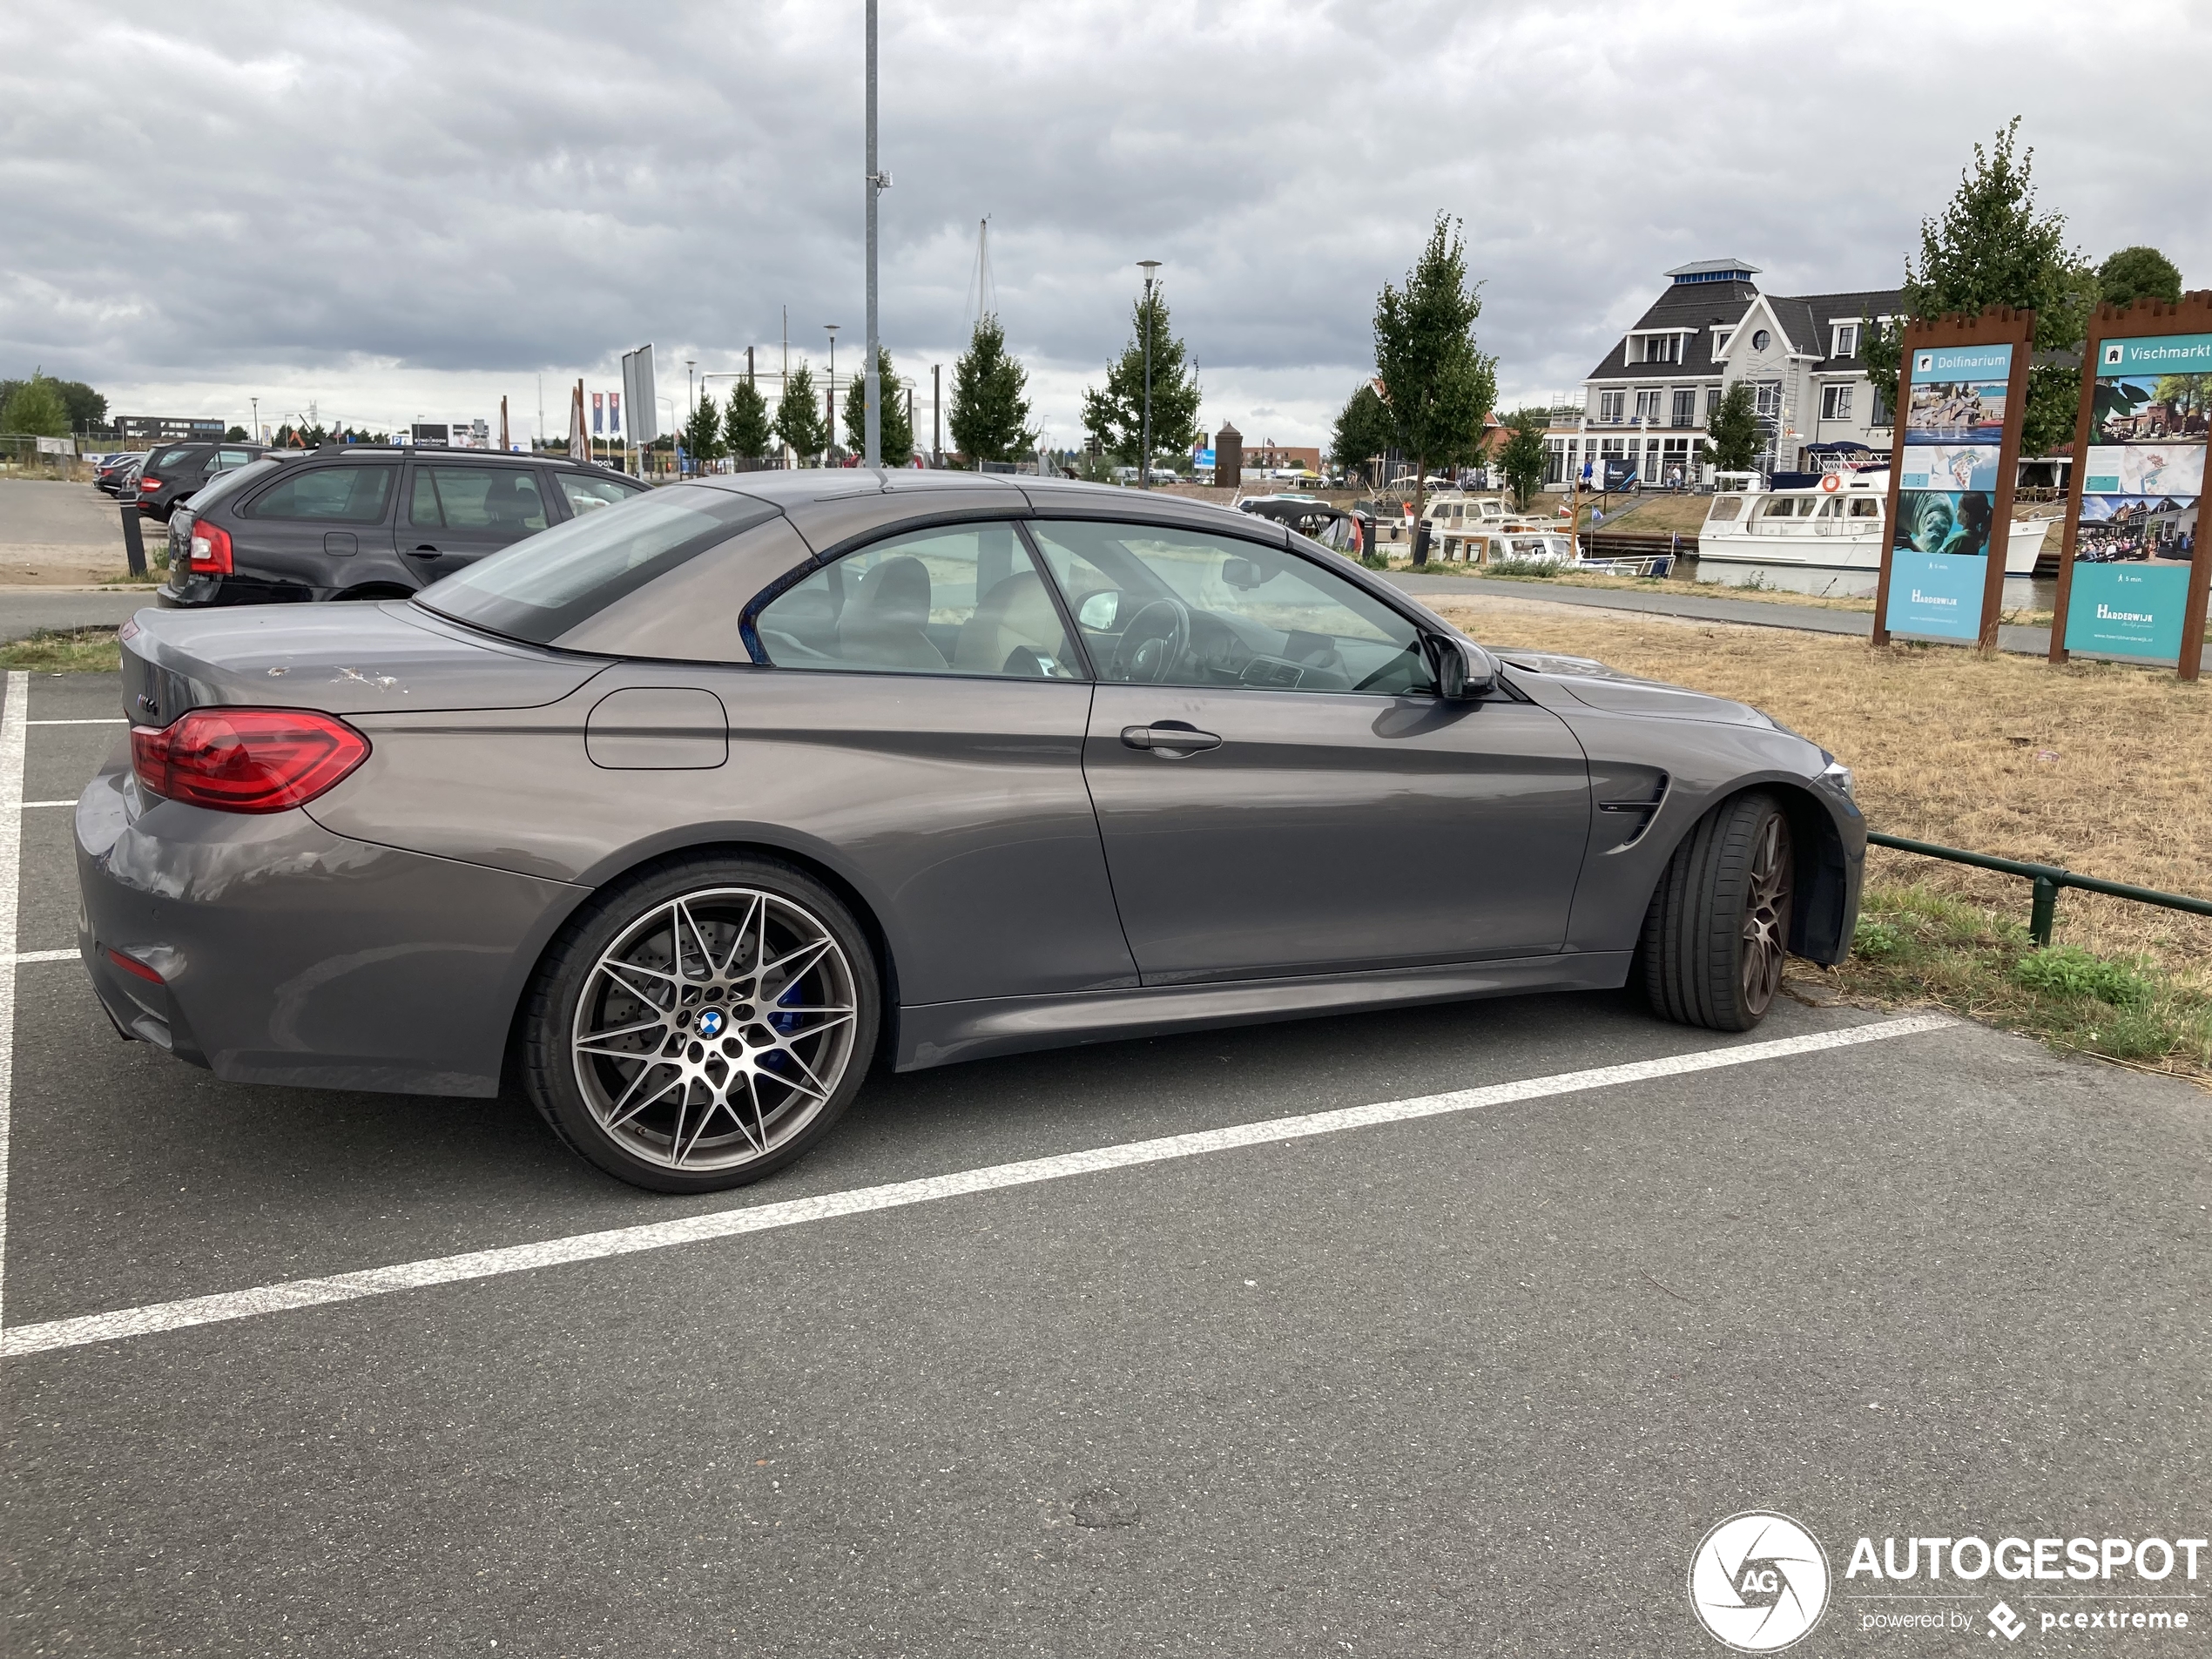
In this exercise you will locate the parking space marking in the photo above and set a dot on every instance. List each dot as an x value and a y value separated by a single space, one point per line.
12 722
28 805
105 719
692 1230
19 958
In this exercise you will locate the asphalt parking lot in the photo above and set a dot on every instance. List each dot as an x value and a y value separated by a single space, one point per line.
1472 1376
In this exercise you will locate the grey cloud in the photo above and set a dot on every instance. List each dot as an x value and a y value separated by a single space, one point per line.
188 192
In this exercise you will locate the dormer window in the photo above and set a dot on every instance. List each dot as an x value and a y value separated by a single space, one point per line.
1846 341
1660 348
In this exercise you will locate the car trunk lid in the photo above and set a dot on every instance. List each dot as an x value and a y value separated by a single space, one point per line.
341 658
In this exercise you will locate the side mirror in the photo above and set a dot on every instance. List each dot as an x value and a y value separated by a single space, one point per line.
1244 574
1098 611
1464 670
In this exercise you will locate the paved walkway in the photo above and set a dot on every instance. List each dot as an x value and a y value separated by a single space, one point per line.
1665 602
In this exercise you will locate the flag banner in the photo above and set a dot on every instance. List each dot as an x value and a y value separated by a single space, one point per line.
614 411
598 413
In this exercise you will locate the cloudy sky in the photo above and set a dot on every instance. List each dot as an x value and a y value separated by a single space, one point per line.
405 212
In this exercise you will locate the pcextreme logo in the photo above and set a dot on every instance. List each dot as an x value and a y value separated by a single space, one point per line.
1758 1581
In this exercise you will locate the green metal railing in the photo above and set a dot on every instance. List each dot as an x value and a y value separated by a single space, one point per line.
2047 879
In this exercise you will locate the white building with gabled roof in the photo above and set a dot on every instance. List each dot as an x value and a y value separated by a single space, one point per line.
1647 402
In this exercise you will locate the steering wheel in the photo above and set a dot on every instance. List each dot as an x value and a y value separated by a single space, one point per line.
1157 638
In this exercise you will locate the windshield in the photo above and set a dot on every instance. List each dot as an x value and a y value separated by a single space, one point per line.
544 586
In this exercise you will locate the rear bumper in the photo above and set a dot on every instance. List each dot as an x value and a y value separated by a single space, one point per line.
290 955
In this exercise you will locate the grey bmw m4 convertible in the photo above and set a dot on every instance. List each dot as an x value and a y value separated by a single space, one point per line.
681 815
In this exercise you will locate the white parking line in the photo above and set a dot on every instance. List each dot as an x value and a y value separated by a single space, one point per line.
105 719
11 747
28 805
725 1224
19 958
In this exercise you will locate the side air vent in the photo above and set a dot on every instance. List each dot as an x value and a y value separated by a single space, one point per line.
1627 800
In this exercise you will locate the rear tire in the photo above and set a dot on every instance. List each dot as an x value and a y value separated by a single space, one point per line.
1719 929
703 1024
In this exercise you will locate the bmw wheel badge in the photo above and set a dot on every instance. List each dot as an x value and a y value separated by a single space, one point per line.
711 1021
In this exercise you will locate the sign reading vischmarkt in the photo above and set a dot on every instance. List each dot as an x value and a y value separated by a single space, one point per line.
2133 577
1959 401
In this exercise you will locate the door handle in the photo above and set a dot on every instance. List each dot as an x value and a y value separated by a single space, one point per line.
1169 739
425 548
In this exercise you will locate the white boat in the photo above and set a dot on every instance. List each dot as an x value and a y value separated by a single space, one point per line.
1837 528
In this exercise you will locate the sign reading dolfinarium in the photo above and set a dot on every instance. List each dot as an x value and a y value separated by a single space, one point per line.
2132 577
1960 390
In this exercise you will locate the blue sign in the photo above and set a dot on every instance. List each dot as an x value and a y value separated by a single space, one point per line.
2156 354
2126 611
1963 363
1936 594
1202 458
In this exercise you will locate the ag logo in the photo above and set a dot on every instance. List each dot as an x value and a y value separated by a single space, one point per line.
1758 1581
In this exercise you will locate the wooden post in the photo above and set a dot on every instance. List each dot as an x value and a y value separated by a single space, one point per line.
2147 317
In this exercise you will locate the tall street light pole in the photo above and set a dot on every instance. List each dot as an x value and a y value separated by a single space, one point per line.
1144 457
830 409
872 384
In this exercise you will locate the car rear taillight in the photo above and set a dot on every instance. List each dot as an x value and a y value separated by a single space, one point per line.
245 760
211 550
148 483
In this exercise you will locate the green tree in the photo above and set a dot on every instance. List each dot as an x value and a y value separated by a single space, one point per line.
897 431
1524 456
2135 273
798 415
702 429
1733 430
990 416
1363 431
746 429
1437 386
235 435
1991 248
34 409
1115 416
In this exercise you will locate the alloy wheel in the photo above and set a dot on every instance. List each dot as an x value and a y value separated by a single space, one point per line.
714 1029
1766 916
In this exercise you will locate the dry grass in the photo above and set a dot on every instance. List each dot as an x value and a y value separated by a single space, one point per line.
2104 769
65 650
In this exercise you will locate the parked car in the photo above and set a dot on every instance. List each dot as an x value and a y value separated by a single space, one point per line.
175 473
683 812
119 476
356 522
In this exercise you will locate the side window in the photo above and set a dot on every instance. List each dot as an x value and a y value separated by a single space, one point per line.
964 600
1173 607
585 494
229 460
1865 507
501 500
333 495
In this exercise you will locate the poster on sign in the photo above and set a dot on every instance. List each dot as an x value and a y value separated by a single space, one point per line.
1960 391
2131 578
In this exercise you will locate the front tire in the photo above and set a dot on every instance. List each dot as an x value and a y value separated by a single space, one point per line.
1719 929
702 1025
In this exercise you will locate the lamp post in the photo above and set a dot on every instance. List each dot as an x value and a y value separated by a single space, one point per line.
872 379
1144 454
257 418
831 399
